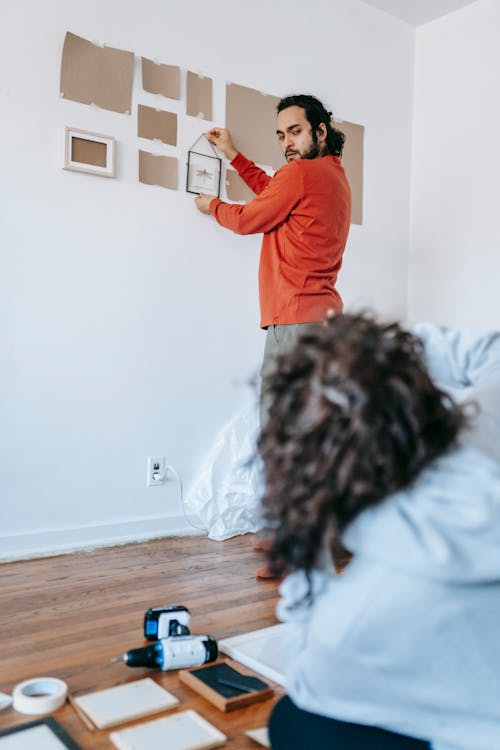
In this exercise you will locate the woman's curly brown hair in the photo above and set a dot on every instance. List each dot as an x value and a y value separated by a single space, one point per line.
355 417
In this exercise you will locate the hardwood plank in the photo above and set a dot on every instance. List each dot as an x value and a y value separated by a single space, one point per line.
67 616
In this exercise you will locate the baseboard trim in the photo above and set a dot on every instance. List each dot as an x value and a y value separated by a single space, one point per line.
50 542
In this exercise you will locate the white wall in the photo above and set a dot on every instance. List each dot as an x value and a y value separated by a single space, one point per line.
132 320
454 268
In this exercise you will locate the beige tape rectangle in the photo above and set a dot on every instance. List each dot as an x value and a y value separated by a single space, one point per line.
157 124
158 78
236 188
199 96
352 161
158 170
96 75
251 120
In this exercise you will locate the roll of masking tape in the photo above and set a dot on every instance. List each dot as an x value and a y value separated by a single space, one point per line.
40 695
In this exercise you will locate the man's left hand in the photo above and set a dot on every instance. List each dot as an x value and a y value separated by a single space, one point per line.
203 203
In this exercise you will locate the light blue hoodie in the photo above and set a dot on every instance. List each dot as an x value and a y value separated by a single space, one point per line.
408 637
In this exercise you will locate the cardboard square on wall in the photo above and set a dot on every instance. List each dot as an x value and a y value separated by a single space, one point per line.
158 170
96 75
158 78
352 161
251 120
236 188
199 96
157 124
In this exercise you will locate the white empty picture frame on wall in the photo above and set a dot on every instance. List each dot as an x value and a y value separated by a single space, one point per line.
92 153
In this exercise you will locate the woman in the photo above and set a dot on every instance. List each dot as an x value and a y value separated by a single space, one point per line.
362 445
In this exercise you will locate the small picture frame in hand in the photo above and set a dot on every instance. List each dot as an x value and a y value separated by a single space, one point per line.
203 173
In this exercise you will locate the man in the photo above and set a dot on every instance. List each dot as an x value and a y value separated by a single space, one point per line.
304 212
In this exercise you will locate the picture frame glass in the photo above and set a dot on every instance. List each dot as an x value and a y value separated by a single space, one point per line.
90 152
204 174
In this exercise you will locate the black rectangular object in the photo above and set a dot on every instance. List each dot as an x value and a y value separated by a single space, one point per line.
210 676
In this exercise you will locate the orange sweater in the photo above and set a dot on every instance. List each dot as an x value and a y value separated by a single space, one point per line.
304 212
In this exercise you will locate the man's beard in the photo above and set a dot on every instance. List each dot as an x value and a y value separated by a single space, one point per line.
313 152
315 149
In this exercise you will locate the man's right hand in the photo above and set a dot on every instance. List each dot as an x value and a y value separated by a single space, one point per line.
221 138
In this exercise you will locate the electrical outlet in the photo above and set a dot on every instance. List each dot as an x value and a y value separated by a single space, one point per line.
156 473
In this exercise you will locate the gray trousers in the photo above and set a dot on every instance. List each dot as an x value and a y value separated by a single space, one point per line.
280 340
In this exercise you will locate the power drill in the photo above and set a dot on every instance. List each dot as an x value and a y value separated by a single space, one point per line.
175 647
174 652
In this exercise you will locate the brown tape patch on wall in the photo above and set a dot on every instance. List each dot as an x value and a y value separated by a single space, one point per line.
236 188
158 78
251 120
157 124
198 96
352 160
158 170
96 75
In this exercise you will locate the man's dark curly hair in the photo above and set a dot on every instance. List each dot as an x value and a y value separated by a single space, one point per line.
355 417
316 113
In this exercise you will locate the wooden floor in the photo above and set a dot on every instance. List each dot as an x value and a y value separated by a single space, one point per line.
67 616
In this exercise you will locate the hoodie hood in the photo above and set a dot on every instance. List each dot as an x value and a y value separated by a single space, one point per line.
446 526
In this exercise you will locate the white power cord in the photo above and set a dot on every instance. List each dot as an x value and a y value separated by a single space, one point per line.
170 470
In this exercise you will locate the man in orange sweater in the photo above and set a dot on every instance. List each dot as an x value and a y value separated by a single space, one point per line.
304 212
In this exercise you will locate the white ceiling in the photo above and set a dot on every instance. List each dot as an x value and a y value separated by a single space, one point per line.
418 12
